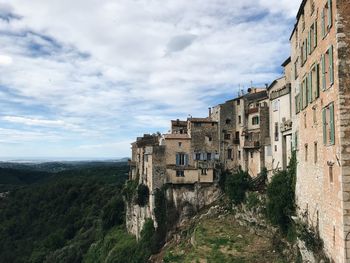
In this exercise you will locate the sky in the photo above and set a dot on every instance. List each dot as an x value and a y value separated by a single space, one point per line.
84 78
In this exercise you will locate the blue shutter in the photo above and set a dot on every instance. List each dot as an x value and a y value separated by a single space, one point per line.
331 69
177 159
323 24
186 159
331 123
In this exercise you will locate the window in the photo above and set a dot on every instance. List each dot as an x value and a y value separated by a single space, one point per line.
204 171
197 124
180 144
210 138
275 148
180 173
314 114
313 36
306 152
239 119
296 140
146 158
314 83
315 152
255 120
312 7
227 136
251 155
328 125
228 121
276 105
208 156
239 155
198 156
238 102
326 18
229 153
296 68
181 159
330 169
327 69
305 121
276 132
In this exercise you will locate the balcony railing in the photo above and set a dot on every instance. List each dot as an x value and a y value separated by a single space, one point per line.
251 144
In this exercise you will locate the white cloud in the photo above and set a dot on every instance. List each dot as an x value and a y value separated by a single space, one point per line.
5 60
117 68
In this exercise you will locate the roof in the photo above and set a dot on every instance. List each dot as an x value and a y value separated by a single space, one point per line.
200 120
176 136
179 122
300 12
286 62
274 83
256 96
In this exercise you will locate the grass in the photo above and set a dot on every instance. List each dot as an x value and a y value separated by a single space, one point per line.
221 240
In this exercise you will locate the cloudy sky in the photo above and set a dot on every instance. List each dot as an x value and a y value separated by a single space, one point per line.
83 78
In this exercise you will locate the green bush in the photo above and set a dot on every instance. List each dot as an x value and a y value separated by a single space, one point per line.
311 238
113 213
252 200
142 195
281 197
236 186
129 190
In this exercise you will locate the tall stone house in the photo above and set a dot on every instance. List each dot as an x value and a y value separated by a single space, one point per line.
321 120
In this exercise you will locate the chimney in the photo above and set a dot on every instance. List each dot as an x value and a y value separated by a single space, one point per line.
209 112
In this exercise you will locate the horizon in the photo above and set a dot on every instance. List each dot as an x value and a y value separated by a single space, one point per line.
82 85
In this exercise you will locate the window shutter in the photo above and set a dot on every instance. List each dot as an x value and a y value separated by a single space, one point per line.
324 125
331 123
323 25
305 97
331 70
309 43
177 159
323 72
301 92
317 88
330 18
310 86
186 159
315 34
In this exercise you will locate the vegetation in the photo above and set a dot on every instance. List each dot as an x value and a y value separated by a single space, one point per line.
236 186
68 216
281 197
142 195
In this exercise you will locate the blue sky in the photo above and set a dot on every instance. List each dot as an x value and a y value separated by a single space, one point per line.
83 78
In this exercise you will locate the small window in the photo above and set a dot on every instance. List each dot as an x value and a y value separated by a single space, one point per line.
197 124
276 132
208 156
315 152
328 125
181 159
228 121
227 136
239 155
251 154
198 156
331 174
305 121
238 102
306 151
180 144
213 124
229 153
314 115
276 105
204 171
255 120
239 119
275 148
180 173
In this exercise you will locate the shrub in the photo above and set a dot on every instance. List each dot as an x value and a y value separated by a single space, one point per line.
113 213
142 195
281 197
311 238
129 190
236 186
252 200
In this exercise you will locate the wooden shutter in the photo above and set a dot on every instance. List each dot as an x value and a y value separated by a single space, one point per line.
310 95
323 62
330 18
331 69
331 123
324 125
323 24
317 88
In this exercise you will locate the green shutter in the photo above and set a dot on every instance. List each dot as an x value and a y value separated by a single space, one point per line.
331 69
305 93
315 34
317 88
323 24
323 72
324 125
331 123
310 87
309 43
330 18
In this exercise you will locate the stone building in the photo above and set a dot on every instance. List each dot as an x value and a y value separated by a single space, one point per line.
320 89
278 153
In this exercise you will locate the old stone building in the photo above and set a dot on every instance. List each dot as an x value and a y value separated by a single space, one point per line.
278 153
321 120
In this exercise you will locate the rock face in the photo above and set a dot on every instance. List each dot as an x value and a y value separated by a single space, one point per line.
187 200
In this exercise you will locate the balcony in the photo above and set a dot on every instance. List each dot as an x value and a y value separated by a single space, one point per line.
251 144
286 125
